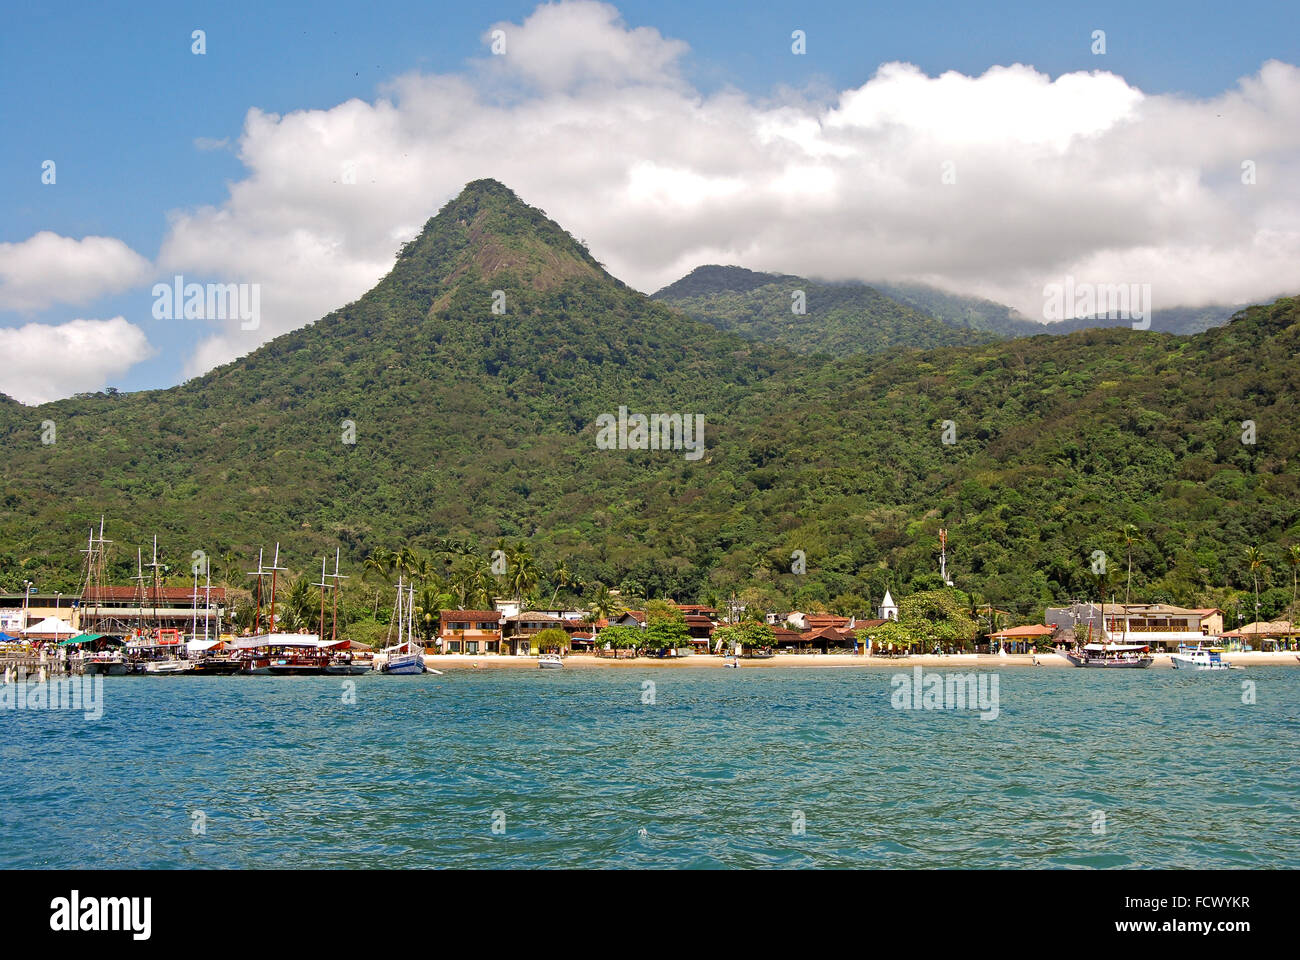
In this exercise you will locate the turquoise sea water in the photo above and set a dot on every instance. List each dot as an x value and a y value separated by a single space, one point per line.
580 772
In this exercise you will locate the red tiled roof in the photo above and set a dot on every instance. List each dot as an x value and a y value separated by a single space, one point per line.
825 620
492 615
826 633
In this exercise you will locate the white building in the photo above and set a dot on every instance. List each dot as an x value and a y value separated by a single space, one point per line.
888 609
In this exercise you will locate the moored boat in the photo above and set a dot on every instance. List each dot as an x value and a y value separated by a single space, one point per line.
284 654
216 667
168 667
405 657
106 664
550 661
1199 658
1130 656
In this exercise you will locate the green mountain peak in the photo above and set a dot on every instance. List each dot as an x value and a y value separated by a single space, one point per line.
486 235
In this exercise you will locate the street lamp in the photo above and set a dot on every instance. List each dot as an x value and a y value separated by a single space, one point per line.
28 587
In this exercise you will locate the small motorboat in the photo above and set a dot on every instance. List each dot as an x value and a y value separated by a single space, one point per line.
1199 658
550 661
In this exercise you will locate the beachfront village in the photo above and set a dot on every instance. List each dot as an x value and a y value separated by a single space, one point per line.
205 619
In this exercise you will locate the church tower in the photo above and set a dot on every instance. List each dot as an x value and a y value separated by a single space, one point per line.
888 609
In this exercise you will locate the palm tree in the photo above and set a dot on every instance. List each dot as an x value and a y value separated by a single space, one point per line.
429 605
561 577
299 610
604 605
1255 561
471 582
1130 535
406 561
422 569
379 566
523 573
1293 558
230 573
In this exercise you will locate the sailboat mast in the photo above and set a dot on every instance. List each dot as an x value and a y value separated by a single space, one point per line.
139 589
401 617
154 567
257 615
207 599
275 570
334 615
322 596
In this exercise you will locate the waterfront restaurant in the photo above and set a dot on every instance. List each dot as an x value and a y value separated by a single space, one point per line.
1021 639
1267 635
1158 625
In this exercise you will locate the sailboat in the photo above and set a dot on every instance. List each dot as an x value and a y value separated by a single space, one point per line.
341 661
109 663
405 656
163 650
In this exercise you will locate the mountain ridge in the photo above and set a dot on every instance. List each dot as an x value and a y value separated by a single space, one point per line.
472 425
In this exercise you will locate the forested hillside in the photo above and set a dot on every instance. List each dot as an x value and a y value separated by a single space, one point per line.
472 426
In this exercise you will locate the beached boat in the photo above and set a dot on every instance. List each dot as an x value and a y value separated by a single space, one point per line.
1199 658
1130 656
550 661
405 657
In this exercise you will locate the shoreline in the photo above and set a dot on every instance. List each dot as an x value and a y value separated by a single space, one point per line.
984 661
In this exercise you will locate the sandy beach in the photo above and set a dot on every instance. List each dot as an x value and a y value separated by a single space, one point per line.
981 661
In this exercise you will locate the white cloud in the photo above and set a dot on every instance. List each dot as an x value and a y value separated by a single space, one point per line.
44 362
46 269
564 45
592 121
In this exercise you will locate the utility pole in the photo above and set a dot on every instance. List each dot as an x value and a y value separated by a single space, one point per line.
943 557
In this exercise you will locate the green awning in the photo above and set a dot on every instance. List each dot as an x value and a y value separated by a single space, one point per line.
81 638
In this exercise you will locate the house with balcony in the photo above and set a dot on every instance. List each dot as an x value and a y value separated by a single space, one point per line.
1158 625
470 631
519 630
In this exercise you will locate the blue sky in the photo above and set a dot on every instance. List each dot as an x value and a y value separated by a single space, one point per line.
115 96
